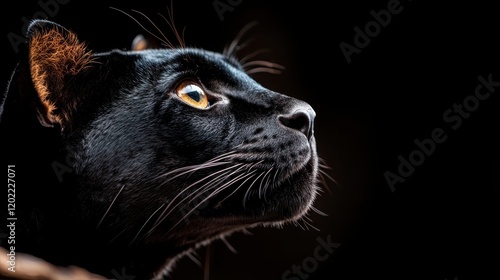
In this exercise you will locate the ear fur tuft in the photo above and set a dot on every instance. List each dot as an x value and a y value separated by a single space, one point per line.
55 55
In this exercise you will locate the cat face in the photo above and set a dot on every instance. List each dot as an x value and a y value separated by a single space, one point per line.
208 141
196 140
172 146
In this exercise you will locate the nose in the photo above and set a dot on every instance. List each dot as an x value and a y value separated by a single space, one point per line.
302 119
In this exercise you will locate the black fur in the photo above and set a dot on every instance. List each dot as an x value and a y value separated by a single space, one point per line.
128 134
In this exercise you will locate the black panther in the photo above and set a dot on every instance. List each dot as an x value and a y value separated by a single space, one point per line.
133 158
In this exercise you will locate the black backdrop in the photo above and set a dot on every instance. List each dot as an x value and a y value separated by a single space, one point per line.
402 80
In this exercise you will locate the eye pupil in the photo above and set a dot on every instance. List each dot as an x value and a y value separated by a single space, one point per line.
195 95
192 94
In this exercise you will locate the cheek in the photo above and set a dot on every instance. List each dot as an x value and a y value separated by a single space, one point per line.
197 135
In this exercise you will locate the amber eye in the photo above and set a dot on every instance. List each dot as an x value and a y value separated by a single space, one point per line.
192 94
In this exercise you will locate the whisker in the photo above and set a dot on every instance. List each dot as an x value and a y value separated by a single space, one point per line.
247 231
296 223
116 236
302 224
194 258
267 183
179 38
253 171
143 27
262 181
170 22
263 70
230 50
214 193
236 189
249 188
252 55
310 225
322 161
229 246
203 179
219 177
188 170
264 63
328 176
322 175
112 202
242 45
216 161
146 222
166 41
165 214
207 186
318 211
323 166
232 152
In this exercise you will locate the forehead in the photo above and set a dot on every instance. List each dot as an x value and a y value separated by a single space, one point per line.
210 68
187 59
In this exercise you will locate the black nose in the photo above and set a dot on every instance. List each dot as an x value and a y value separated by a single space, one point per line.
302 119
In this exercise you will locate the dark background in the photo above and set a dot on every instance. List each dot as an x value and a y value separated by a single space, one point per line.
441 222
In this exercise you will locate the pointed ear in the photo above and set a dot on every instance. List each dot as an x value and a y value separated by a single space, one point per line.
140 43
55 57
